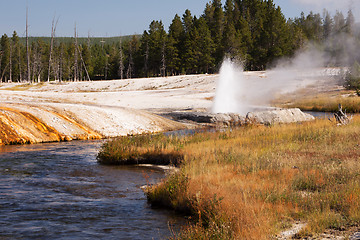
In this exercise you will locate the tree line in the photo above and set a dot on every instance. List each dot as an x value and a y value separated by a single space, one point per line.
254 32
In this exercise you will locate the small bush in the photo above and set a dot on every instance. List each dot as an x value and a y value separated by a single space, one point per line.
352 78
171 193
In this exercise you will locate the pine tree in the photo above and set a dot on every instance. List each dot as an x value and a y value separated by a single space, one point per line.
232 43
349 23
298 39
276 38
157 40
15 66
339 23
133 47
175 45
188 21
17 59
214 16
188 55
327 25
206 47
5 57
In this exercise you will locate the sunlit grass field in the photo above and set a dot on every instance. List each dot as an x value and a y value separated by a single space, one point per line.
255 181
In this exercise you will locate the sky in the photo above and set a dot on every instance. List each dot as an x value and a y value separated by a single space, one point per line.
107 18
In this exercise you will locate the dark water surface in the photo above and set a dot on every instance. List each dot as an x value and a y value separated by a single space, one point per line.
320 114
58 191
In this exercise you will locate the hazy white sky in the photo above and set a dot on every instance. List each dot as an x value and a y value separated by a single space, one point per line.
124 17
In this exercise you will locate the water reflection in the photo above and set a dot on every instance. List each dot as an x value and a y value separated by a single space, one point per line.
58 191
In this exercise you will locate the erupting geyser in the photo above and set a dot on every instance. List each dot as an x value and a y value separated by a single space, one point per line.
230 91
239 92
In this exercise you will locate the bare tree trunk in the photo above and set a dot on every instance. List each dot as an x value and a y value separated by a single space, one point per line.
106 65
341 117
147 59
121 62
10 63
76 58
3 73
88 40
27 48
53 30
61 64
130 70
37 66
163 63
82 61
19 55
1 53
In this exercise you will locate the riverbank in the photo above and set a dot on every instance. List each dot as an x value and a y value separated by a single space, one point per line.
255 182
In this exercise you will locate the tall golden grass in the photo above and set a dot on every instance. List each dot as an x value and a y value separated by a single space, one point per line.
252 182
321 102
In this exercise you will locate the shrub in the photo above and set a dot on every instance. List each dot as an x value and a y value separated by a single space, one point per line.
352 78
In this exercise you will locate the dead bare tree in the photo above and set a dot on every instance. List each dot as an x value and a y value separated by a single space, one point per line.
37 66
53 30
106 65
341 116
61 62
147 58
88 40
20 72
163 62
56 68
1 54
3 73
129 71
10 62
83 63
27 48
76 57
121 61
76 67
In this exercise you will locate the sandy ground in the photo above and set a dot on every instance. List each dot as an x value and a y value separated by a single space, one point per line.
178 92
110 108
120 107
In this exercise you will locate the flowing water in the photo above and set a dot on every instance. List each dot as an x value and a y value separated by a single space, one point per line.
58 191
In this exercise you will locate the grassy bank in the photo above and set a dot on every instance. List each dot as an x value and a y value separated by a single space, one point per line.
324 102
253 182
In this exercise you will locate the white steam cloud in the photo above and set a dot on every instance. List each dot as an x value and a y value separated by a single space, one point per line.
316 65
330 5
243 92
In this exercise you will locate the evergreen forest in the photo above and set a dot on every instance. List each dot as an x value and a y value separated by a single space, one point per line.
254 32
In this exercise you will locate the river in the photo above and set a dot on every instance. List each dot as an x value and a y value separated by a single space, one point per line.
59 191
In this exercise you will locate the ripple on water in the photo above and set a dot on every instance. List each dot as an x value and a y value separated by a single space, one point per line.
58 191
